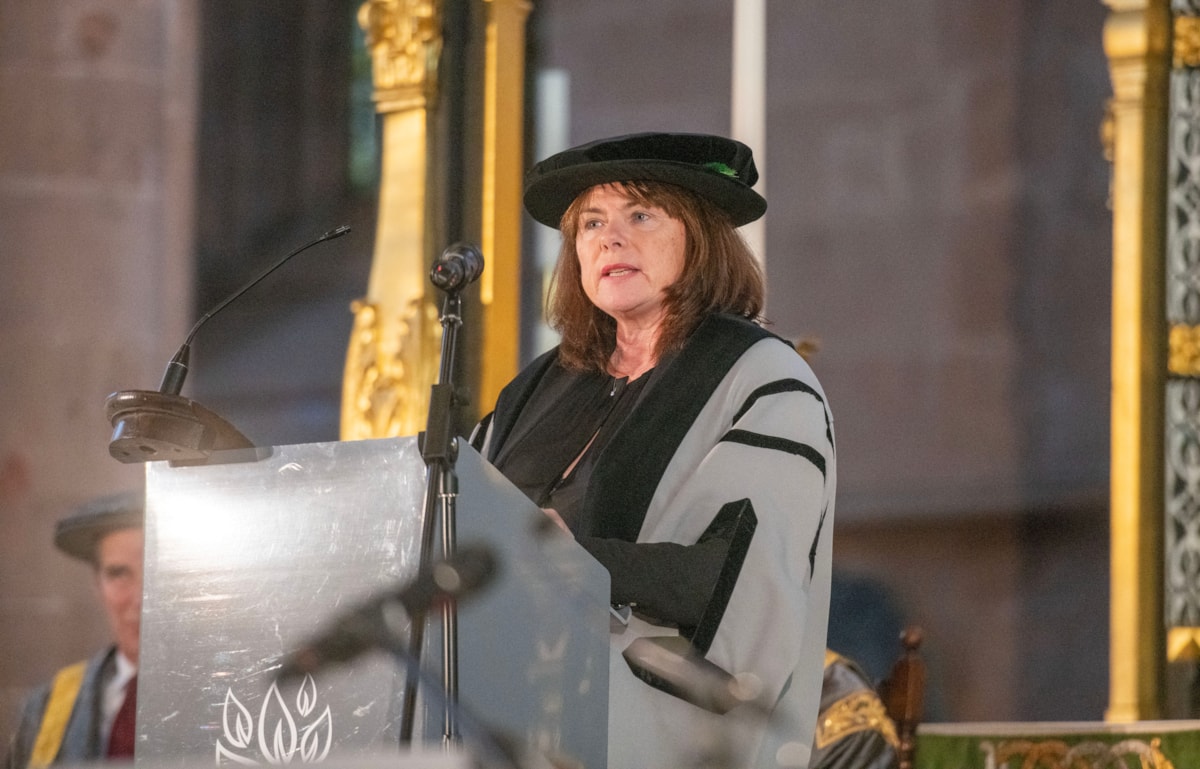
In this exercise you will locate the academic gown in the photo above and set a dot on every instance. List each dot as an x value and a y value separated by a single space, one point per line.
735 414
83 741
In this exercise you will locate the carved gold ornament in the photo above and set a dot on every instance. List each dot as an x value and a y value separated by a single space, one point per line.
1186 42
857 712
382 398
1183 350
405 43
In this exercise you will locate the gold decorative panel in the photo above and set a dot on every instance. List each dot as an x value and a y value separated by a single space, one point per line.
1181 556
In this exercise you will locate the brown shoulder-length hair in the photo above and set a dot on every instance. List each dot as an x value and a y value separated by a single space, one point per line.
720 274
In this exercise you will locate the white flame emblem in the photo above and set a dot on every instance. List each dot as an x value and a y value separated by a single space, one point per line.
280 739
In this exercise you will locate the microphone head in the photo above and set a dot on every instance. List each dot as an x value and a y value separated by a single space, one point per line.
371 625
448 276
469 569
355 633
456 578
471 257
459 265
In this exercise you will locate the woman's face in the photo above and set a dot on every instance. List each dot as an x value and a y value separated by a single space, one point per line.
629 253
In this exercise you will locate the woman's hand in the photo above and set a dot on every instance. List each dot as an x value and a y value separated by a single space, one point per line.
553 515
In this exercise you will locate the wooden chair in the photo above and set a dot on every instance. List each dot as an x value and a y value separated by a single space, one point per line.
903 694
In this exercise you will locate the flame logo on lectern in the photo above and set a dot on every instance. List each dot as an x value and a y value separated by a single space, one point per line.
282 735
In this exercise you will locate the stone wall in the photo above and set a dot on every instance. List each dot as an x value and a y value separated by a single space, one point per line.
97 115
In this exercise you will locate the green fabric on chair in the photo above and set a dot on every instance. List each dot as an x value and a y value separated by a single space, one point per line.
1050 745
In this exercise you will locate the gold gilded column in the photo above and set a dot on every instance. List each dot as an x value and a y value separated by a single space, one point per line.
503 167
1136 39
392 360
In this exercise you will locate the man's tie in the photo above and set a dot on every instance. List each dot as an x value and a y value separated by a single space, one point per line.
120 739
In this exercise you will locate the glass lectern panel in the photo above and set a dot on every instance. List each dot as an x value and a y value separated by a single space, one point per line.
247 559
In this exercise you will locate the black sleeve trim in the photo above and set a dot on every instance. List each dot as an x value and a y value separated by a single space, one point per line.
665 581
758 440
812 551
785 386
735 523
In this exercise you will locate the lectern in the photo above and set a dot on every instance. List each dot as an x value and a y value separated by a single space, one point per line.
250 554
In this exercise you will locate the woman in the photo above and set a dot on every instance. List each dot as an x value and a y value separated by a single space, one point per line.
686 448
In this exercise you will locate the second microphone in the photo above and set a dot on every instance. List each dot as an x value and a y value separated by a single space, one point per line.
459 265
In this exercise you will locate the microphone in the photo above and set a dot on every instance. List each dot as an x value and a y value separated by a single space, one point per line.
177 369
372 624
458 266
671 664
151 425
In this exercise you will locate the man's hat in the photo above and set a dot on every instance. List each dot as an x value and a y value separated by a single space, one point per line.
718 169
77 534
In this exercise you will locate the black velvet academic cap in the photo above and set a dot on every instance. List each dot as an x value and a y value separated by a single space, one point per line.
718 169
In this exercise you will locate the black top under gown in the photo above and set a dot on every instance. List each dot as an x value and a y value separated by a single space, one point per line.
574 415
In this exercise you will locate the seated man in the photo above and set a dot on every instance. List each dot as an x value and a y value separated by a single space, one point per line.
853 729
87 712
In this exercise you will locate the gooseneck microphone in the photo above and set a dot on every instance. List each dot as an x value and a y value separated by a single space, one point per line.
155 425
177 369
459 265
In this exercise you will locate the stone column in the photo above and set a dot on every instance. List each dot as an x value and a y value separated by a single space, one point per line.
97 115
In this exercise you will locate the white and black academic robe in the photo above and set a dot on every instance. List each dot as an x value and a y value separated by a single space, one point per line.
736 414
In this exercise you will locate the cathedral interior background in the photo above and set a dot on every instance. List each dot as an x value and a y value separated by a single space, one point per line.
938 224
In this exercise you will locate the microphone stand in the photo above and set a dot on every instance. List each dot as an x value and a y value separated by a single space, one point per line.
495 751
439 449
373 625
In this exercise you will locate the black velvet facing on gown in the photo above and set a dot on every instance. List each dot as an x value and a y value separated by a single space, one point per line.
633 464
